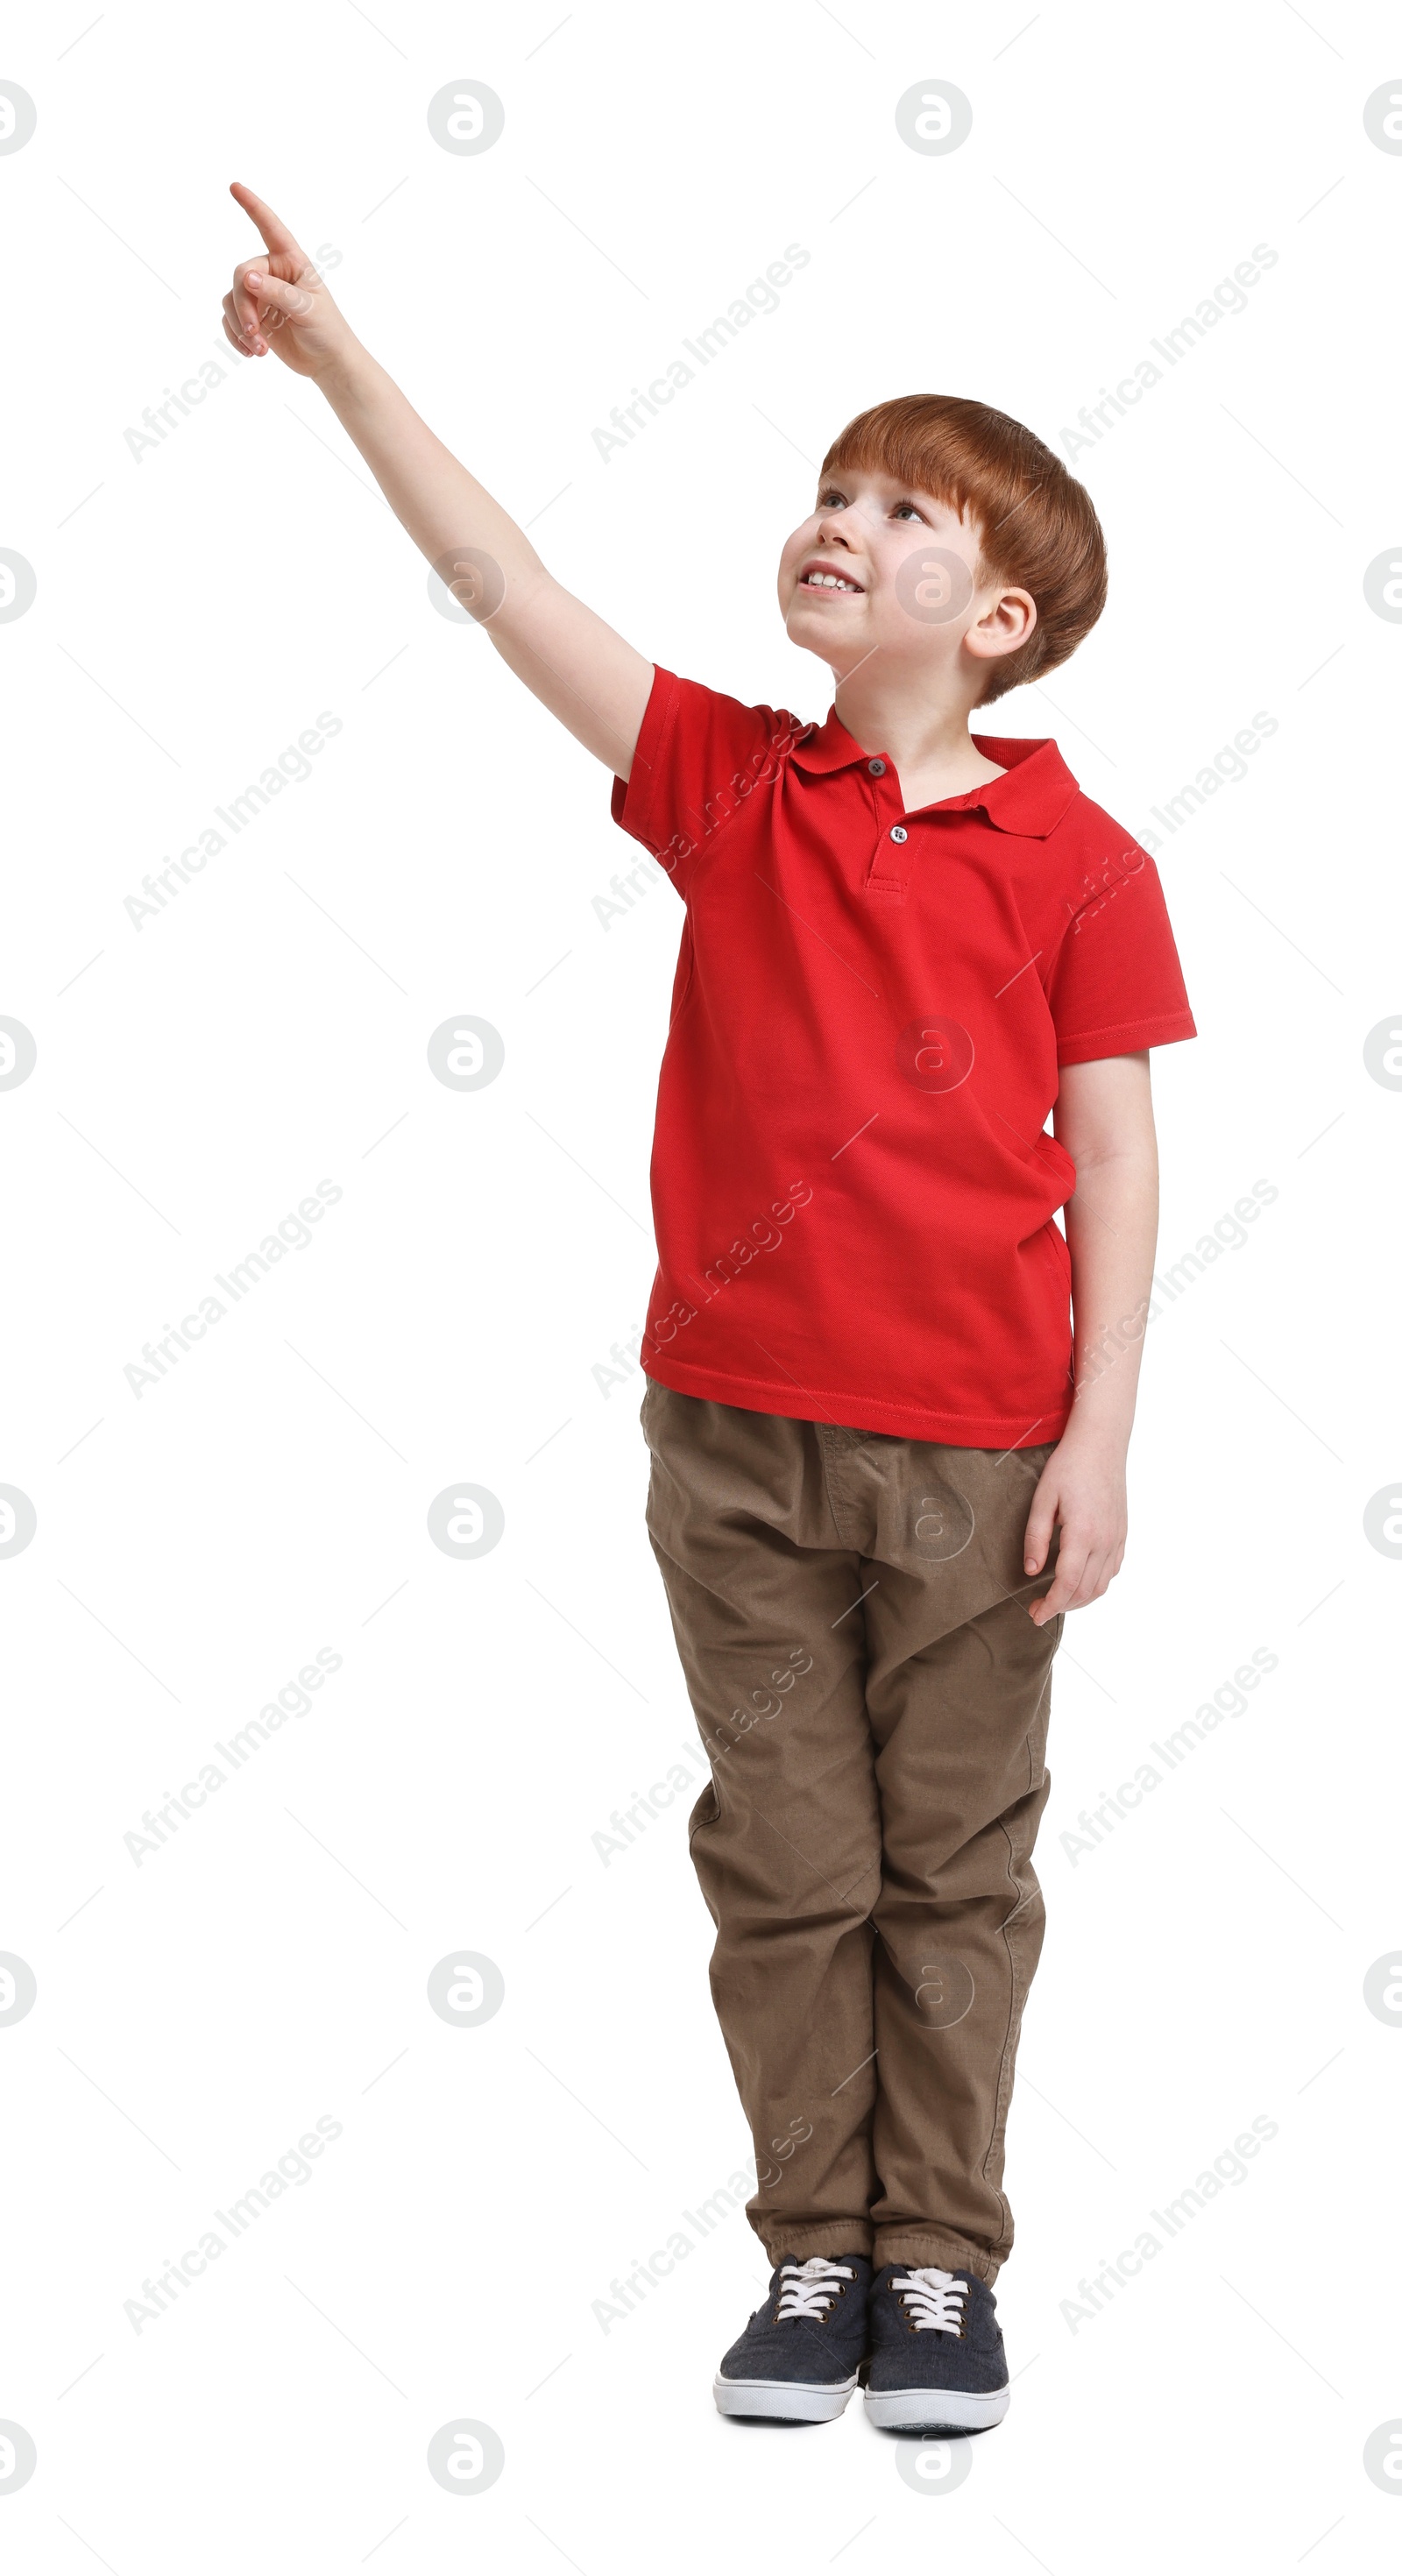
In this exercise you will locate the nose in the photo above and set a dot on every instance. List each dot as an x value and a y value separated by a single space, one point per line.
830 530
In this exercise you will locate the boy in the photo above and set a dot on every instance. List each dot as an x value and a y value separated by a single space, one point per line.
882 1471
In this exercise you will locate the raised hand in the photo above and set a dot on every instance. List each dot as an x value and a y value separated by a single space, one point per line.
595 683
278 301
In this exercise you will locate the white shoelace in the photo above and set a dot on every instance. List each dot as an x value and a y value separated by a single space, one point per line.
933 2298
810 2286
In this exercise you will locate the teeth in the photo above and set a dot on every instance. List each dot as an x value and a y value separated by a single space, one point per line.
828 581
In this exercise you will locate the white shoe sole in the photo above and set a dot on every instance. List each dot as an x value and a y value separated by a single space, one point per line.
937 2410
784 2400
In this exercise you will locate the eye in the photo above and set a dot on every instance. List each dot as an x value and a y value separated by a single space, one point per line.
907 510
832 500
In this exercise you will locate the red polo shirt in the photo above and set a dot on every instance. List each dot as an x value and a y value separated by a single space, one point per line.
853 1193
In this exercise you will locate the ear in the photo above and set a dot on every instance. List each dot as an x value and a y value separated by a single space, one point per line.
1006 625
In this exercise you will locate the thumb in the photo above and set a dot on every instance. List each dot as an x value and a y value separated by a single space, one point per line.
293 302
1041 1521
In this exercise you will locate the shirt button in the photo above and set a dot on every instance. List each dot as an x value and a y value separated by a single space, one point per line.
899 832
876 769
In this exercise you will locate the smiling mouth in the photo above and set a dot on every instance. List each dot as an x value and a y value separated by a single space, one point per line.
828 583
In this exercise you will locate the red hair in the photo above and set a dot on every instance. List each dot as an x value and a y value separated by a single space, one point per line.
1037 525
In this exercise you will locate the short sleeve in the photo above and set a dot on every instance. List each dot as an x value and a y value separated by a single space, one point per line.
699 757
1116 985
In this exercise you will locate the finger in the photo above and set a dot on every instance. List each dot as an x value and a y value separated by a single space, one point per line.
1069 1569
1095 1577
235 337
271 226
239 338
1041 1521
246 304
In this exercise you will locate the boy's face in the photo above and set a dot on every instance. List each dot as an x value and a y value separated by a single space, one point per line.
881 568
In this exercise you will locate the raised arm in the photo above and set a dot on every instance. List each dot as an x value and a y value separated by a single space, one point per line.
576 665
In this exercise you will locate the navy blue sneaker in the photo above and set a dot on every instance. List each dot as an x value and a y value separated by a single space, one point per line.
798 2360
937 2359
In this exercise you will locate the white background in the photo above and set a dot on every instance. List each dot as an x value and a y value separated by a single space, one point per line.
198 605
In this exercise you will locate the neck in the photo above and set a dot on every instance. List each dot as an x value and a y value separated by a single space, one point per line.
928 742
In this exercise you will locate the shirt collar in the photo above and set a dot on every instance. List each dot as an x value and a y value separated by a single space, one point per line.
1030 798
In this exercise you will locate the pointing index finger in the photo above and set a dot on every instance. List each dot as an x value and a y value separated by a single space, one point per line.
274 231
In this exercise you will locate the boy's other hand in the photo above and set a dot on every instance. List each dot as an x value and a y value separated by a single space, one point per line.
1082 1486
278 301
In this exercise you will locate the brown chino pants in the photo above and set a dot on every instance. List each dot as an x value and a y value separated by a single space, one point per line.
851 1613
